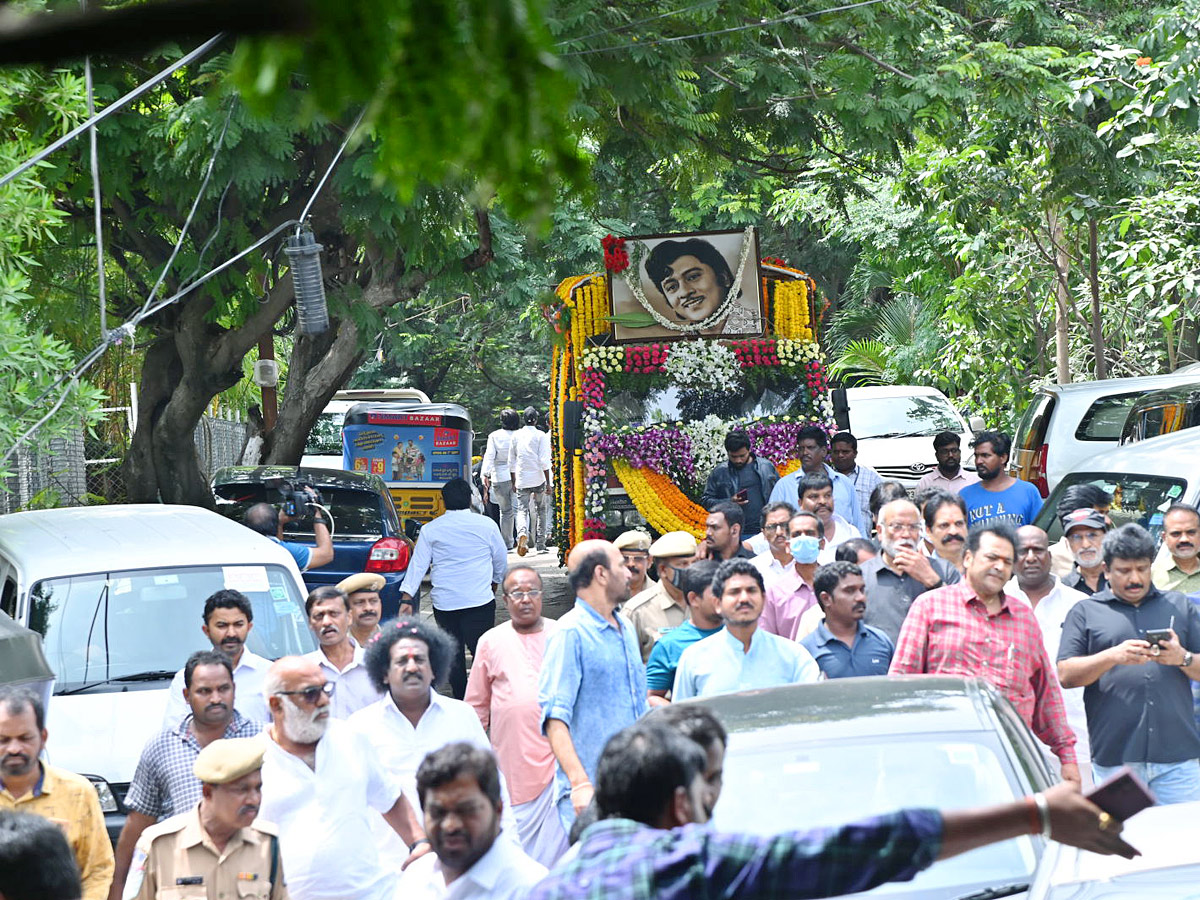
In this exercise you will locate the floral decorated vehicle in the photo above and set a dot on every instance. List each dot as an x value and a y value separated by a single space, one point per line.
652 416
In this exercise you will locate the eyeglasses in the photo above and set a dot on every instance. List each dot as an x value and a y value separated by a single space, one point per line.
773 529
310 694
903 528
523 595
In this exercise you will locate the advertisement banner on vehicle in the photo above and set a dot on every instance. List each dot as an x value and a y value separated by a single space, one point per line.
412 452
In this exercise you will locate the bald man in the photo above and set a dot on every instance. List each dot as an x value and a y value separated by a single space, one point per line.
593 681
322 802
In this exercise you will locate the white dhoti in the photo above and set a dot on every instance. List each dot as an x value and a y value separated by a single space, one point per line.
540 828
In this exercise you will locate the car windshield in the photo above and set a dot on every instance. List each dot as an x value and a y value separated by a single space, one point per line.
356 514
130 624
779 396
770 787
902 416
1143 499
325 439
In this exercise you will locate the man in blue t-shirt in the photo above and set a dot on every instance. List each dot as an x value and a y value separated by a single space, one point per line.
703 620
997 496
269 521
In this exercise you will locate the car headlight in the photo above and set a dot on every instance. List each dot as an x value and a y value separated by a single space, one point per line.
108 800
612 518
633 518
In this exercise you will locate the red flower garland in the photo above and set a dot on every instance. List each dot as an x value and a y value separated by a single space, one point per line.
755 352
616 258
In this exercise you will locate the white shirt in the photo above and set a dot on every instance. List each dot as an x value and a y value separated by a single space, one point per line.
324 816
495 457
248 699
467 555
770 567
758 544
352 685
1050 612
842 531
400 747
529 457
505 872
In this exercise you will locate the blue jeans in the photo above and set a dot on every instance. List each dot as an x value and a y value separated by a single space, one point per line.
1171 782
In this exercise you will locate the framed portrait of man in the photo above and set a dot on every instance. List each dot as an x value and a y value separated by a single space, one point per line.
681 285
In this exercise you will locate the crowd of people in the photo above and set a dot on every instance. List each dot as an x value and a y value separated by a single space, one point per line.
564 764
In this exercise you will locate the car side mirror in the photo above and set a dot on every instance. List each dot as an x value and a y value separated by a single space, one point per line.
977 424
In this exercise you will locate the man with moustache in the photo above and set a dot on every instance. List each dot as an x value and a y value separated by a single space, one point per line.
635 549
816 496
842 645
503 690
593 682
366 608
1179 568
1051 600
723 532
31 786
704 620
459 786
974 628
1076 496
338 656
660 608
812 444
843 456
1083 530
945 517
777 556
321 781
949 475
220 846
408 660
997 496
228 620
1137 694
741 656
163 783
744 479
790 595
901 573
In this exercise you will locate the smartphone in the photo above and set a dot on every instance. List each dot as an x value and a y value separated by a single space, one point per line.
1122 795
740 495
1158 636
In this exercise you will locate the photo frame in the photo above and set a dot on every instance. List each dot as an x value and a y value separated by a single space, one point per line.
684 285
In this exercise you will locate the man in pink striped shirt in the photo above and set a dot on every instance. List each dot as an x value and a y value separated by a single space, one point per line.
503 689
974 628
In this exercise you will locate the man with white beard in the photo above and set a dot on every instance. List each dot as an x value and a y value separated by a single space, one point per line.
901 573
320 779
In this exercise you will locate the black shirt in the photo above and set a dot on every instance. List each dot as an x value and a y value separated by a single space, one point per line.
1138 713
1074 579
890 595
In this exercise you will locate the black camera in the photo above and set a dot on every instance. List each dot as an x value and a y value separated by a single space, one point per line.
297 499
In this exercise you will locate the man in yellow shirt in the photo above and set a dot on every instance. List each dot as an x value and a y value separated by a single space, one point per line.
66 799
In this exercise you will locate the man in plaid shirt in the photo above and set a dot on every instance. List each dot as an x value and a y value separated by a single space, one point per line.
974 628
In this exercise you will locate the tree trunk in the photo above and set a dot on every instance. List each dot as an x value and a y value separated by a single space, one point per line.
1062 300
1094 282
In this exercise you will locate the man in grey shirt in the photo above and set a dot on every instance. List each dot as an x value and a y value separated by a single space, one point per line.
900 574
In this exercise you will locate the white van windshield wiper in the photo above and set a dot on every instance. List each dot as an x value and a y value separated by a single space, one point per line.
150 675
1004 890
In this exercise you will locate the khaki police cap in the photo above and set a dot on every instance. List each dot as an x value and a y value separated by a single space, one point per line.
633 540
673 543
364 581
228 759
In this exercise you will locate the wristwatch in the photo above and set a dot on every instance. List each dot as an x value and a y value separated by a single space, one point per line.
1187 659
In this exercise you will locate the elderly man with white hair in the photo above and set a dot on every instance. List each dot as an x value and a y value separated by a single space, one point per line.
321 779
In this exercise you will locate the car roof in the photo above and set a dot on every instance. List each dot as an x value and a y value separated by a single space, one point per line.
79 540
847 707
1167 454
892 390
1120 385
328 478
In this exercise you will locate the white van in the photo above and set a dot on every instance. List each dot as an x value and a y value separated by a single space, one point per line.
895 426
117 593
323 449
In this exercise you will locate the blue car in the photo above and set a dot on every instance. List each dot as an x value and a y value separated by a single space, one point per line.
367 533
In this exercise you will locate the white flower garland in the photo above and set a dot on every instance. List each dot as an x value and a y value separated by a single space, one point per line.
704 365
633 279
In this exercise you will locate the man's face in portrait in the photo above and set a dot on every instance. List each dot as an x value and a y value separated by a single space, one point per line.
692 289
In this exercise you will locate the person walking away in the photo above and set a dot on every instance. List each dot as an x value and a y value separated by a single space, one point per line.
466 559
529 465
496 475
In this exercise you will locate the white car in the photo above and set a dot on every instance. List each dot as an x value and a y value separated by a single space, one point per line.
323 450
895 426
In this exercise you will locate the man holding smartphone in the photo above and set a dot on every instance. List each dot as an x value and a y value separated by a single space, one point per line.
1128 646
744 478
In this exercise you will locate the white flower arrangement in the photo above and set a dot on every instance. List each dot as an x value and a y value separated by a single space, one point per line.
708 443
704 365
605 359
793 353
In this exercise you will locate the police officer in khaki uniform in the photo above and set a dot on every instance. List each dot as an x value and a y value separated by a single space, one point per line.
635 550
216 851
662 606
366 609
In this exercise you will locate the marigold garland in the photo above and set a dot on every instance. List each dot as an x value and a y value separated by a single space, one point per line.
659 501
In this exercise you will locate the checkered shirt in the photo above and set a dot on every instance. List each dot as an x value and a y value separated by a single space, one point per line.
865 480
163 784
620 859
948 631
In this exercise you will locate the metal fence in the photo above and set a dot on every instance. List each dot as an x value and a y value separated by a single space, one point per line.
77 471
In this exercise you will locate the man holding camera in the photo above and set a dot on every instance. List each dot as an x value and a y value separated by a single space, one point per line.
270 522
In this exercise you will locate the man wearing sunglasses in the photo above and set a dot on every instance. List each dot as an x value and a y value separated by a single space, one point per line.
322 801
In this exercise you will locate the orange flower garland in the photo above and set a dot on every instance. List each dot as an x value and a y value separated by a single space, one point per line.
659 501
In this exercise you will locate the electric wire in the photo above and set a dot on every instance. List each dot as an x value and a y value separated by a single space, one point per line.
111 108
791 16
619 28
94 160
329 170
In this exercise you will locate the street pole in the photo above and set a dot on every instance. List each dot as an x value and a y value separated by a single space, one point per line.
270 395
